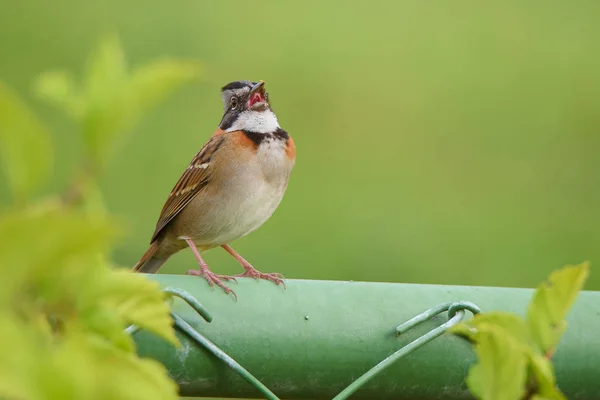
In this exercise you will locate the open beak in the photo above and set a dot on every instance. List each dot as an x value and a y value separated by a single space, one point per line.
259 87
257 99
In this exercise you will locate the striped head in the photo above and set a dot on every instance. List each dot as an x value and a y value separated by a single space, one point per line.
246 107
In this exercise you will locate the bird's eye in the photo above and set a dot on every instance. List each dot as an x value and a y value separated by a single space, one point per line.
234 103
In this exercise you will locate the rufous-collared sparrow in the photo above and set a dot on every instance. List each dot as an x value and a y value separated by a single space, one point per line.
231 187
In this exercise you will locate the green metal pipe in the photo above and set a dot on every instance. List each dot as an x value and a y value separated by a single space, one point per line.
315 338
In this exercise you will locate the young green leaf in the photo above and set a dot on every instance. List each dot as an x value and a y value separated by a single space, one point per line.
131 377
93 200
86 367
543 372
111 99
106 70
464 331
58 88
116 99
501 370
18 358
551 303
475 382
108 109
53 261
513 325
25 147
137 300
108 324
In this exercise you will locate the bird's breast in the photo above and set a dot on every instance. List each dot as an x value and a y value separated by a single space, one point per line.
248 195
274 161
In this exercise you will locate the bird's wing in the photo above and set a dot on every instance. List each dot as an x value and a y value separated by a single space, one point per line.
196 176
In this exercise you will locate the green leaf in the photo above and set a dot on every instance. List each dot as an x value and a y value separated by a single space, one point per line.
475 382
84 367
25 147
511 323
106 70
108 109
543 371
57 259
109 325
112 100
131 377
551 303
59 89
152 83
137 300
501 370
18 358
93 200
116 100
465 331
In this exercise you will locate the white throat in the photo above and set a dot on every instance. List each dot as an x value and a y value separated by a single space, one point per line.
256 121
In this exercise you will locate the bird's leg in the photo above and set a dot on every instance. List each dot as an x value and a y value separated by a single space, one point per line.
252 272
210 276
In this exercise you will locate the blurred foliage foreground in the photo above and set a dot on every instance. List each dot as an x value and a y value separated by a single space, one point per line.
63 307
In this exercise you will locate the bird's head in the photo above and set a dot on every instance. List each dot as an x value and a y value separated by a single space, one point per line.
246 107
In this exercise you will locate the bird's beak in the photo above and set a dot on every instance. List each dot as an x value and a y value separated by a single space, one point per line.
259 87
256 99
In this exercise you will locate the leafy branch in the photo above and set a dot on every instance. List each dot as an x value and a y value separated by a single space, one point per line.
515 353
63 306
109 101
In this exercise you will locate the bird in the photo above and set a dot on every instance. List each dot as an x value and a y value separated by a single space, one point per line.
231 187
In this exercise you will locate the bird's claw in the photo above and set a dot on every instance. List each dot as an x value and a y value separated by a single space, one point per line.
214 279
274 277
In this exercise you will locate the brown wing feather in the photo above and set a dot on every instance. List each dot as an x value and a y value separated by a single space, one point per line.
195 177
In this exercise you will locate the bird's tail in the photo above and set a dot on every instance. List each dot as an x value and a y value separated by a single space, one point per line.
149 263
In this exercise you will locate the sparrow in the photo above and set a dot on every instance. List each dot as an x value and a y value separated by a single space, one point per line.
230 188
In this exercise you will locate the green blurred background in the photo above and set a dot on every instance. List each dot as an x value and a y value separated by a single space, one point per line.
451 143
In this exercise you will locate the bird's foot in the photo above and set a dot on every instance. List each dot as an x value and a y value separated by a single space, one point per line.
214 279
252 272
